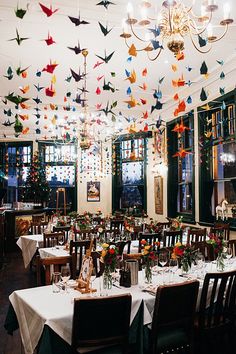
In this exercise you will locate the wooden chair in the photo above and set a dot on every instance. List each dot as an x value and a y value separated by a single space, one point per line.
164 225
117 224
97 264
43 267
149 238
215 318
170 238
232 245
121 245
206 249
173 318
52 239
38 227
196 235
225 228
77 251
64 229
91 334
38 217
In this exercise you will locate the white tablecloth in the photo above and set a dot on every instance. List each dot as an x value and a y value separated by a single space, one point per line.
58 251
29 245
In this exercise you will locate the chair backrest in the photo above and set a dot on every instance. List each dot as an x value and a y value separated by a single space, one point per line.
38 217
206 249
43 265
117 224
98 266
149 238
225 229
64 229
78 250
121 245
217 303
91 327
196 235
164 225
52 239
38 227
170 238
232 245
174 309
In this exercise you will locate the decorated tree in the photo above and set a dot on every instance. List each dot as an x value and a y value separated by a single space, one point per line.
36 187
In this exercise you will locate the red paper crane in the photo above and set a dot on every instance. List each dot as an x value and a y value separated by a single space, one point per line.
50 68
50 91
48 11
181 153
49 40
180 127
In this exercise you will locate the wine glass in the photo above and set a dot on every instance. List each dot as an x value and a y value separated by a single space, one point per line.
173 267
163 260
65 275
229 254
200 262
61 241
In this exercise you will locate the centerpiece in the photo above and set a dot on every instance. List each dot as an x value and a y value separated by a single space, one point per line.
219 245
109 257
185 255
149 255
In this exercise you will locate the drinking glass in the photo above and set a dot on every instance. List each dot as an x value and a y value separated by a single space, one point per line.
61 241
56 278
163 260
65 275
200 262
173 267
229 254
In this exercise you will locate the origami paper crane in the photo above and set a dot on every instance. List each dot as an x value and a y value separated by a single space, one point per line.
50 91
106 58
77 21
105 3
21 12
132 50
180 127
24 89
49 40
47 10
104 29
77 49
181 153
50 67
132 77
18 39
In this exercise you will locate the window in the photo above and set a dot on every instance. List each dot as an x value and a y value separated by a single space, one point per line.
15 160
129 174
60 164
180 171
218 157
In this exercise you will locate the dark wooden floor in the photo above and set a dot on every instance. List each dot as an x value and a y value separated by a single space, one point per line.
13 276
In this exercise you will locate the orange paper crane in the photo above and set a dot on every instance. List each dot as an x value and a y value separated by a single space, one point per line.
180 127
181 153
132 102
132 77
178 83
143 86
24 89
132 50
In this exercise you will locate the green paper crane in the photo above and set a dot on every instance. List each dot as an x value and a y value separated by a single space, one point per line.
18 39
16 98
21 12
18 127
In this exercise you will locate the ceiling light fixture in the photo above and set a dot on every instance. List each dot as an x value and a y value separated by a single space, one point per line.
173 23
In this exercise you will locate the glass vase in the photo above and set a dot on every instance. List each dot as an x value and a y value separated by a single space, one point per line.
107 278
185 266
220 263
147 272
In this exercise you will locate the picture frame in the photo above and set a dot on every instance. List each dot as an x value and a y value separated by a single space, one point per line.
158 194
93 191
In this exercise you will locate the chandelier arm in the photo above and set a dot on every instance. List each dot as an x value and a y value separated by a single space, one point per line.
223 34
153 59
132 30
196 47
194 26
170 22
137 50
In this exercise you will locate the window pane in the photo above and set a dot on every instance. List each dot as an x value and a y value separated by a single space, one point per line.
131 196
186 169
132 173
224 161
185 198
60 175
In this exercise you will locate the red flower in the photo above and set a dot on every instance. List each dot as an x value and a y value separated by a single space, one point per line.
111 251
143 242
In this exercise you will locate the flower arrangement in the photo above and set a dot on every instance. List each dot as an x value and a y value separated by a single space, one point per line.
109 256
176 224
219 245
185 254
149 255
129 223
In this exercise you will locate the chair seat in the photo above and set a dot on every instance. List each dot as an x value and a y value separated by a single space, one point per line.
172 339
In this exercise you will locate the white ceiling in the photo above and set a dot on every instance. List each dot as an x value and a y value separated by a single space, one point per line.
36 54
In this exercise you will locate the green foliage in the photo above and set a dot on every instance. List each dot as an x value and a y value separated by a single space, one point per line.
36 187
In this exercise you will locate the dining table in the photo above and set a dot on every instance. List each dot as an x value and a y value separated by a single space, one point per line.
39 311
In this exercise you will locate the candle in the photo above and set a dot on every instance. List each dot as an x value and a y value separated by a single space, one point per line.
226 11
209 30
143 13
130 10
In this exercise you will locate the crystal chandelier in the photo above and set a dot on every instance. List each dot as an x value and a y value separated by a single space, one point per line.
174 21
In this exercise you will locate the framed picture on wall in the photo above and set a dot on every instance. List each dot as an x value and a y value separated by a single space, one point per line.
158 194
93 191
